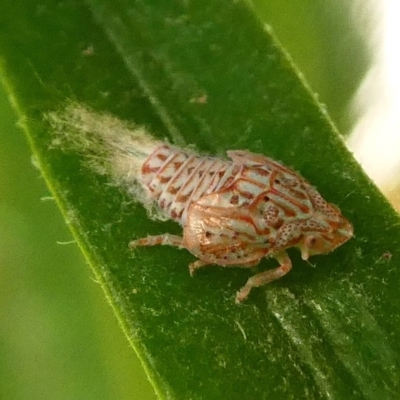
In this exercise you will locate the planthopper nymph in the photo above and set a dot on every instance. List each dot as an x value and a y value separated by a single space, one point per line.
233 212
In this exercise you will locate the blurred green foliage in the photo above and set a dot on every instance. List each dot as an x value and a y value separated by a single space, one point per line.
328 46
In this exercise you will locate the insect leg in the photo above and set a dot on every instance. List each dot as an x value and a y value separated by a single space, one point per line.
266 276
165 239
196 265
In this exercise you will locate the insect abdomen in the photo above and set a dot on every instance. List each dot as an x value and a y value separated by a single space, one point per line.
175 178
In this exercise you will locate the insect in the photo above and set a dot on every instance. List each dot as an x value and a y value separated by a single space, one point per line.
236 212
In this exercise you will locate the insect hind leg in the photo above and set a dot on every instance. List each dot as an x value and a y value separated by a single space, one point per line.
164 239
266 276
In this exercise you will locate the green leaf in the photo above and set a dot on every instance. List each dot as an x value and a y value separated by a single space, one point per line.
59 338
323 37
209 74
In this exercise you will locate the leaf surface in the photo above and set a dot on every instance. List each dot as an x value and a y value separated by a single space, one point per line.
209 74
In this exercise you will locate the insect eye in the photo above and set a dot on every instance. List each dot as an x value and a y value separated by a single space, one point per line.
311 241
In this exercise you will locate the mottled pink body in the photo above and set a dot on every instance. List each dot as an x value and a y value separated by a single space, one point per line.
236 212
